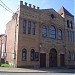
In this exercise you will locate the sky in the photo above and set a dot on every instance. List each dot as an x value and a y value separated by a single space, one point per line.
6 16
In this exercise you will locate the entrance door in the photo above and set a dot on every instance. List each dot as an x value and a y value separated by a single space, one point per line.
42 60
53 58
62 63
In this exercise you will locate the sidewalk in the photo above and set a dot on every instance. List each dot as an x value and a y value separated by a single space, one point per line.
36 70
21 70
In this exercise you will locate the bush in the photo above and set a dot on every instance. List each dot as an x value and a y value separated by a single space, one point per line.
5 65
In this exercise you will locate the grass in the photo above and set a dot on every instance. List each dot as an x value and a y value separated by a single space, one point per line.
5 65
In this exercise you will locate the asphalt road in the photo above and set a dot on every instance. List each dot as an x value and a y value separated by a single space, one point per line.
37 73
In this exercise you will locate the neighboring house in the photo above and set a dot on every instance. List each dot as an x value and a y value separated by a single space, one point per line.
2 48
40 37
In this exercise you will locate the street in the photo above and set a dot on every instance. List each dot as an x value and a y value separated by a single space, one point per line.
37 73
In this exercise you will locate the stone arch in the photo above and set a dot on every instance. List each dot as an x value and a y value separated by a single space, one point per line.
53 58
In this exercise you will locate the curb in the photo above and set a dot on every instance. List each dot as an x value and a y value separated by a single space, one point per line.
22 71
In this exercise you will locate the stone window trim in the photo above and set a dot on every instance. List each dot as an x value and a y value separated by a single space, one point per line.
52 32
52 16
24 54
33 28
29 27
32 55
71 25
68 24
36 56
59 34
70 35
24 26
71 56
44 30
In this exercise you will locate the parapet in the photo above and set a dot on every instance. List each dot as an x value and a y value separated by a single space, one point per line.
29 5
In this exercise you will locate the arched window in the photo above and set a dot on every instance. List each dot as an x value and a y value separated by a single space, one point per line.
32 55
24 53
60 34
52 32
44 31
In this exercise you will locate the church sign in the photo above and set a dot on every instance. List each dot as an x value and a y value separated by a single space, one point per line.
53 42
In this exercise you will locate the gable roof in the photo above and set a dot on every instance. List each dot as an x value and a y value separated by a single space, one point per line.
51 11
66 11
48 10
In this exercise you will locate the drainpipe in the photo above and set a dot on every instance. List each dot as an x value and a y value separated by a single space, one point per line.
15 41
0 52
5 53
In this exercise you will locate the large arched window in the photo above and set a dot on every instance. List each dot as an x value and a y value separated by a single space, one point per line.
60 34
32 55
52 32
24 53
44 31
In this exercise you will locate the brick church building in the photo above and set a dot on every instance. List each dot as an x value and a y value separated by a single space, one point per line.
40 37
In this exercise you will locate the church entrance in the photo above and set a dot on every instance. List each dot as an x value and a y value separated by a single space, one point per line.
53 58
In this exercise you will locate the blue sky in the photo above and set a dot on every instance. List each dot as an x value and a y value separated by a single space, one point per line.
5 16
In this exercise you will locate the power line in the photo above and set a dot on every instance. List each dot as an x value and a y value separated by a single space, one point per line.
6 6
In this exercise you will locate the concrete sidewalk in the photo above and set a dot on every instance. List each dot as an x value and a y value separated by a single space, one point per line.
21 70
36 70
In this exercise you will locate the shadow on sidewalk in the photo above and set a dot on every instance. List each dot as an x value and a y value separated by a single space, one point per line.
54 70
